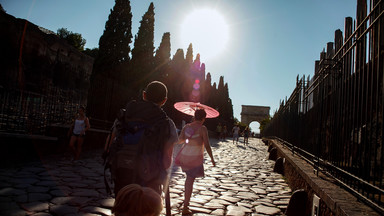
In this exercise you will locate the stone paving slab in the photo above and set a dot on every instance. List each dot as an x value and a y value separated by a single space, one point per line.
242 183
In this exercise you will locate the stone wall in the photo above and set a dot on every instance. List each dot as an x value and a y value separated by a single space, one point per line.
35 59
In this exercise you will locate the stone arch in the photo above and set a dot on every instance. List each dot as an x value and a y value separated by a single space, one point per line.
253 113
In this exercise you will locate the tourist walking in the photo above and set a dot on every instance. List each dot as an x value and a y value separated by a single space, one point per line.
77 132
246 135
219 129
143 129
235 132
191 156
225 132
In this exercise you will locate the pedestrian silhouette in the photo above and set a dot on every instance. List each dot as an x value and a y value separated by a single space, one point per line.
191 156
77 132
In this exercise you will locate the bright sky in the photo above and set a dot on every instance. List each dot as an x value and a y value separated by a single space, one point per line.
267 44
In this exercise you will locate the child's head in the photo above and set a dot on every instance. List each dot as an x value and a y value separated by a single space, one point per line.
136 200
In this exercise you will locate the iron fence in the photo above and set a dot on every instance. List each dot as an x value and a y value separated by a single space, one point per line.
335 119
27 112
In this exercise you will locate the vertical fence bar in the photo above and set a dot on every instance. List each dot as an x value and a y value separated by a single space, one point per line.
340 111
380 71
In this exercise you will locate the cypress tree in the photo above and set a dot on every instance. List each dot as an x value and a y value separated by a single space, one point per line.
2 9
207 89
222 99
162 57
189 55
208 80
178 61
214 96
221 96
112 57
228 108
180 68
142 53
220 87
226 91
114 46
202 72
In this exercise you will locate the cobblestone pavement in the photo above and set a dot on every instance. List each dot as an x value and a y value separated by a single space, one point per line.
242 183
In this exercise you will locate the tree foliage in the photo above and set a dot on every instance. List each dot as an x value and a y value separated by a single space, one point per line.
264 123
74 39
189 56
184 75
163 56
2 9
91 52
142 53
114 49
108 91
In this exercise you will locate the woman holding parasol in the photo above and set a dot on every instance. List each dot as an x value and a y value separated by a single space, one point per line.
191 156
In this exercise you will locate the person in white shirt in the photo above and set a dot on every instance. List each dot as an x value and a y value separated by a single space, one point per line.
235 132
77 132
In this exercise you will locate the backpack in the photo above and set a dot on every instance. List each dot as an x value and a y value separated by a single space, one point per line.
142 129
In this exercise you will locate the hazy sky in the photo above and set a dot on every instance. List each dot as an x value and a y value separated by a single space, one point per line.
269 42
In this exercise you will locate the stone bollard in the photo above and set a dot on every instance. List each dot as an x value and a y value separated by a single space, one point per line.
265 141
279 166
273 154
297 204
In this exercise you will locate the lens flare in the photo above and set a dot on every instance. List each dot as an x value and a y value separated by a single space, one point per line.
196 86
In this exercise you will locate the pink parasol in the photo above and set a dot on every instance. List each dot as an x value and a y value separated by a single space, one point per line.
189 108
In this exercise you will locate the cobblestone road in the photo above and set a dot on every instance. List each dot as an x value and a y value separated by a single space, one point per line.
242 183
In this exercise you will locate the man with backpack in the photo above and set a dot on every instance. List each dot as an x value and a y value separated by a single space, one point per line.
142 141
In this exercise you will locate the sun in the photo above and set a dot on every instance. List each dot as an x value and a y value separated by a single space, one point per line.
208 32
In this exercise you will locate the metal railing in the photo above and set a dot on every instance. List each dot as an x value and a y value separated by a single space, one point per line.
337 116
27 112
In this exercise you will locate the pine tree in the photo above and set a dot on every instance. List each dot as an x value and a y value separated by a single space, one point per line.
220 96
2 9
208 80
207 89
162 57
214 97
228 108
178 61
223 100
226 91
202 72
189 55
110 63
220 87
142 53
114 46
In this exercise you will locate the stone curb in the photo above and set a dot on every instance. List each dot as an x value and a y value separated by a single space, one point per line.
336 199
